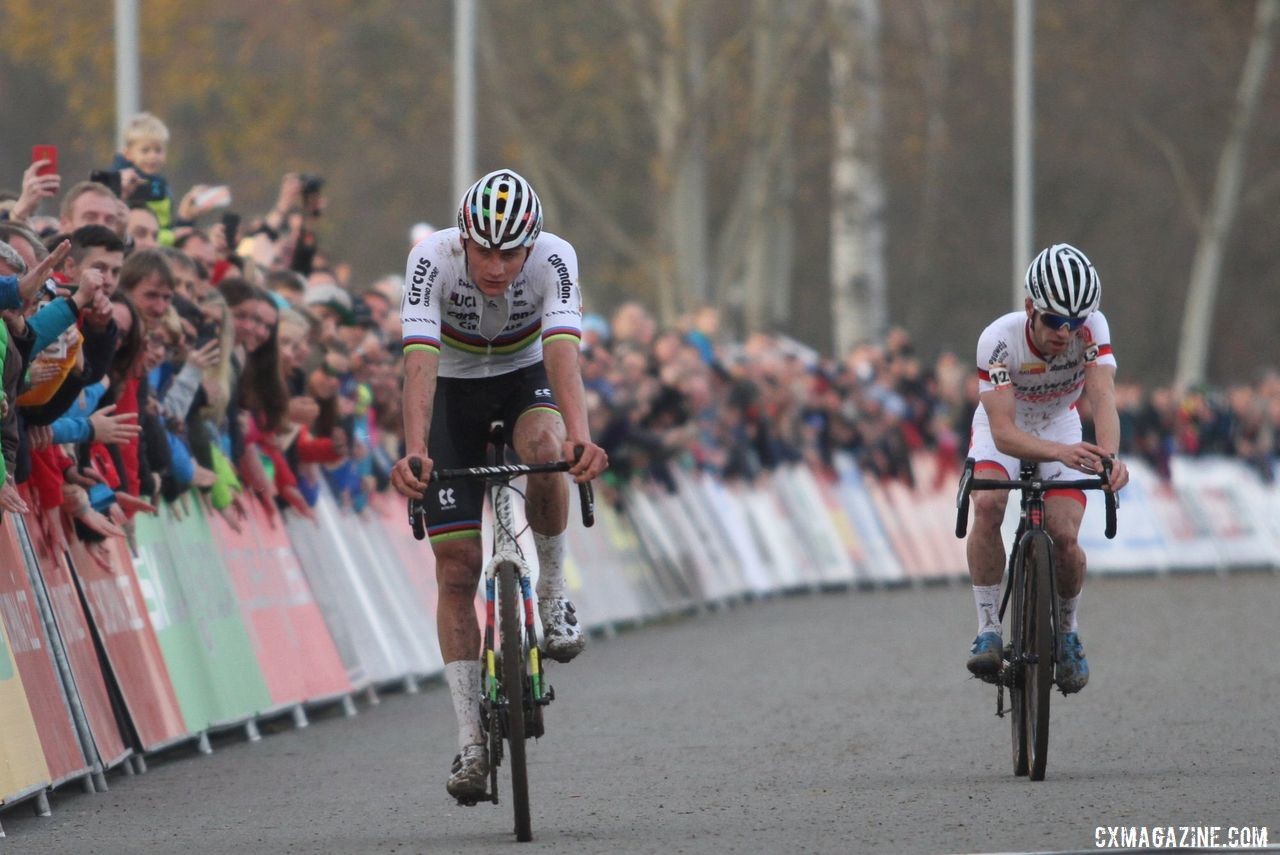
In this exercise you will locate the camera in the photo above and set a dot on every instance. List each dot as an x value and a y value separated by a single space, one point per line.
109 178
311 184
311 187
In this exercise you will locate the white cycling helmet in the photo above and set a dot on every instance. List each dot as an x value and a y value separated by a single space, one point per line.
1061 281
500 211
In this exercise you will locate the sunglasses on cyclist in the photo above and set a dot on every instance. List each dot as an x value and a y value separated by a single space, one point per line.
1057 322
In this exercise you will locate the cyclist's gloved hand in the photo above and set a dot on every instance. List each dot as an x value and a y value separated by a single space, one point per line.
1084 457
406 483
1119 475
591 462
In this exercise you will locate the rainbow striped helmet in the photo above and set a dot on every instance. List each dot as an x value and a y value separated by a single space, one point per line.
500 211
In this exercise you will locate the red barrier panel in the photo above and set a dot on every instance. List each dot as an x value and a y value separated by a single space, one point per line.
294 648
47 539
120 615
34 658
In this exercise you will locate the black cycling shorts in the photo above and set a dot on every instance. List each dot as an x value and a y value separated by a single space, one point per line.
464 409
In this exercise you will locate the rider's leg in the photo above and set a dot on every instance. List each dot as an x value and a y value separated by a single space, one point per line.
985 552
458 565
986 565
1063 512
539 438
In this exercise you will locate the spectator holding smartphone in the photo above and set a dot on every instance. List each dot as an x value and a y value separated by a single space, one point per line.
38 183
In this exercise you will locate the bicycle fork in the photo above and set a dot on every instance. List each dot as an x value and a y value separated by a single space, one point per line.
494 692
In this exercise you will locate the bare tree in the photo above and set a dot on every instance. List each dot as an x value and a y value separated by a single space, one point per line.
935 72
1215 228
671 60
755 246
859 279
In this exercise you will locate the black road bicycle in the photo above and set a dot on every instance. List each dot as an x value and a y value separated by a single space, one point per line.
1033 649
515 685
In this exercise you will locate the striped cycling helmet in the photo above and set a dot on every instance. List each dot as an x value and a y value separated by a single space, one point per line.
500 211
1061 281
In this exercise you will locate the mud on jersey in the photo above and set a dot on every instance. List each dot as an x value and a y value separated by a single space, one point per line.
1044 387
443 312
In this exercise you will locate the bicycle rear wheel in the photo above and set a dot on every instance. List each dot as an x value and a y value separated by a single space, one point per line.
1039 674
1017 641
511 627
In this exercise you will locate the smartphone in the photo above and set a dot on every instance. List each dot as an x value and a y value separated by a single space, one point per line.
45 152
231 227
109 178
213 197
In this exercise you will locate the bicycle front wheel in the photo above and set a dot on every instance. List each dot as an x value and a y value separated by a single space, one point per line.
1039 673
1017 641
511 627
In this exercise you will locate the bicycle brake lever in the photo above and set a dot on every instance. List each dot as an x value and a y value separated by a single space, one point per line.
586 496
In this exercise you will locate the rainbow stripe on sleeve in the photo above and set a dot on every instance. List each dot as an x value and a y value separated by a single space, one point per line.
562 334
421 343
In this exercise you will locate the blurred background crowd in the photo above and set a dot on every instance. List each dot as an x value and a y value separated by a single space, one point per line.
159 349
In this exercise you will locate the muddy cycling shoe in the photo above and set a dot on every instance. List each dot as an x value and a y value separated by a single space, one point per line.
561 633
1073 668
469 775
986 655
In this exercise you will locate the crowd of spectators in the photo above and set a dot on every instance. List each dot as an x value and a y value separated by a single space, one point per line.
684 398
154 351
159 352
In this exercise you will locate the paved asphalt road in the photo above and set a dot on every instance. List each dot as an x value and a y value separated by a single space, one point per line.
835 723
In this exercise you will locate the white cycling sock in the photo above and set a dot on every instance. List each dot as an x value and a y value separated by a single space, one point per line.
1068 610
463 678
550 564
987 599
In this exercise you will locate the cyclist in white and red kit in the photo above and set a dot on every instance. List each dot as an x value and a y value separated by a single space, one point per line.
1033 366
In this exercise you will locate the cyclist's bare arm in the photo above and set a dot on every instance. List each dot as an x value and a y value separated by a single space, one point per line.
1000 407
1100 390
565 377
420 367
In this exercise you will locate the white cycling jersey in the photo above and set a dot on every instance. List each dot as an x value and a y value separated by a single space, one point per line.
443 312
1044 387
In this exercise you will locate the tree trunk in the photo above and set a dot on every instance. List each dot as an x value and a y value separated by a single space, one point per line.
688 214
1215 229
859 278
936 78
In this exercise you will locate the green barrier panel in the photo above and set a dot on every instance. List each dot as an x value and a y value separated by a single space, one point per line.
197 620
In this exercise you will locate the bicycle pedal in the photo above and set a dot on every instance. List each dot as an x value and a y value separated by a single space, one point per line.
472 801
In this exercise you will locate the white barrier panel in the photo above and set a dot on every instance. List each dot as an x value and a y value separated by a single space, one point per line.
409 622
730 509
723 575
882 563
1232 500
696 565
1142 542
785 556
341 592
804 503
606 560
664 554
615 528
